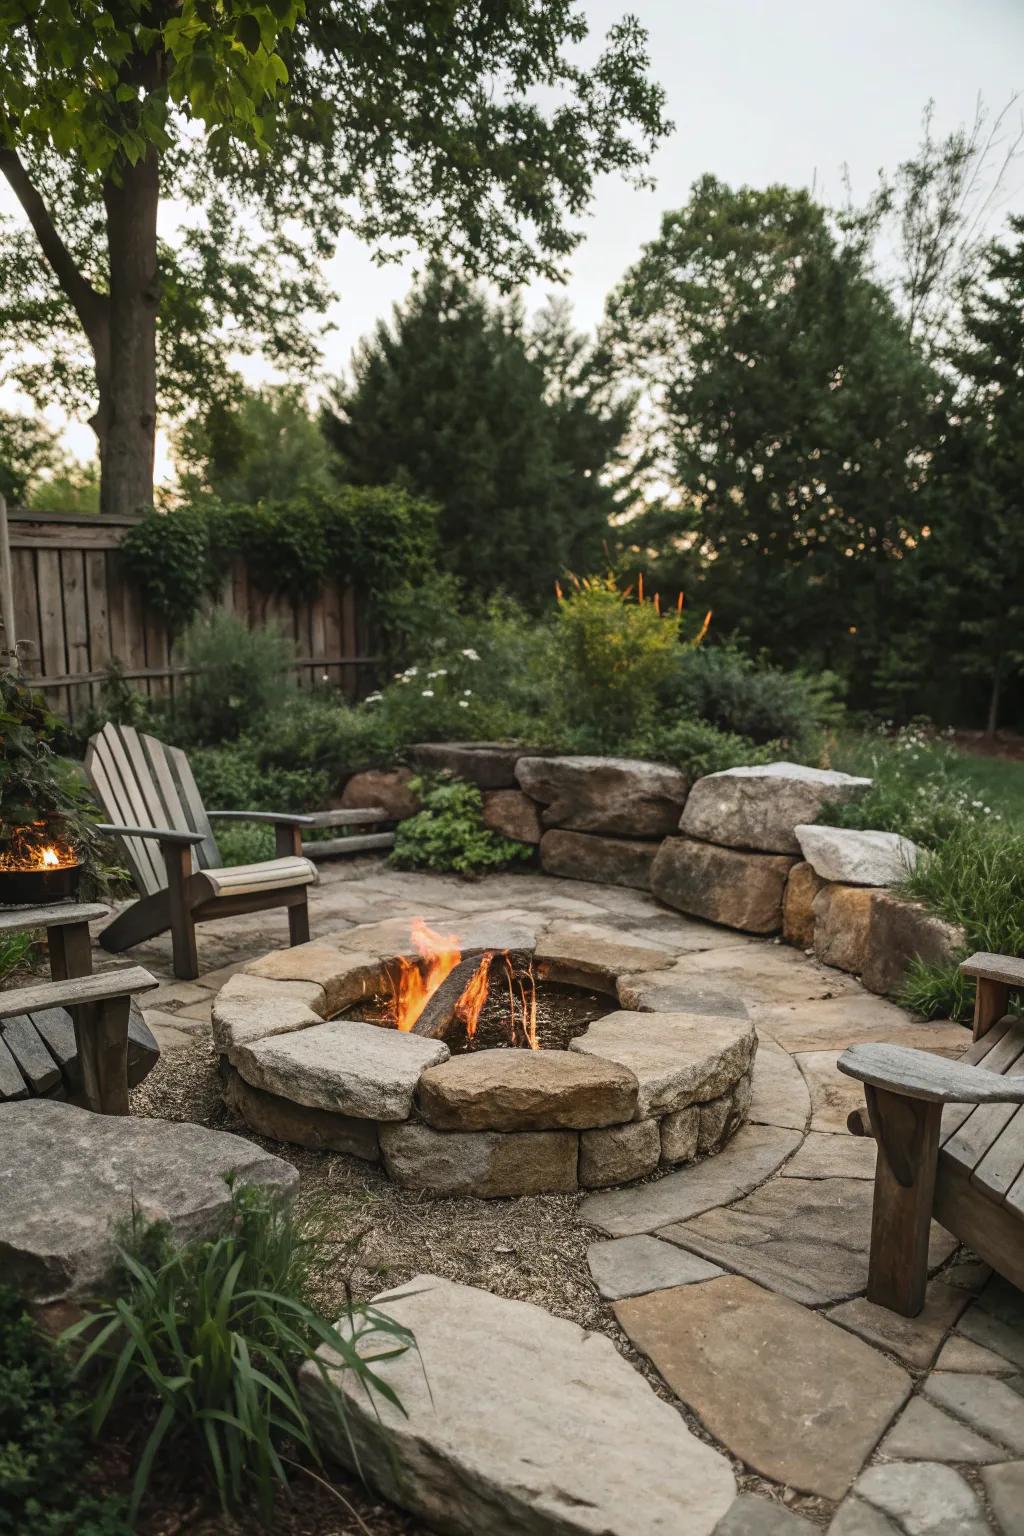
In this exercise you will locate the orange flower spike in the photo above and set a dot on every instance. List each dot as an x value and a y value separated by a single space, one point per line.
657 602
679 603
640 587
559 594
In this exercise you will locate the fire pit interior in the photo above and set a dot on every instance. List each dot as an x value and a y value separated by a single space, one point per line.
494 1000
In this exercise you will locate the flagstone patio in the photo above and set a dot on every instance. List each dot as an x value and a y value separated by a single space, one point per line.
735 1284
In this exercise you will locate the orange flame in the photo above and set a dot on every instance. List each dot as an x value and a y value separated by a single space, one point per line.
470 1004
418 982
440 953
24 855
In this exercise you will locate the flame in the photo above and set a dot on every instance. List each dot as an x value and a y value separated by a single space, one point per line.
417 982
470 1004
440 953
26 855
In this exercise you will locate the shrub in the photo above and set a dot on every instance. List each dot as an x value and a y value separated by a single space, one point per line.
166 558
698 748
321 733
203 1344
448 834
43 1446
752 698
919 789
240 673
231 778
614 658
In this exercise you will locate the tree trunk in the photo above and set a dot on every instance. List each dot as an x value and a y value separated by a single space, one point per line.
992 723
125 423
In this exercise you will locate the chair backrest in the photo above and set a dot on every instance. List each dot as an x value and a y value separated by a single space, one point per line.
141 782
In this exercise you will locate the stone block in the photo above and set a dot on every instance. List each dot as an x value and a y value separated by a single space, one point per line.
344 975
489 1164
760 807
802 887
519 1090
902 931
488 764
621 795
679 1132
723 885
512 814
852 856
387 788
619 1154
677 1058
283 1120
843 925
607 860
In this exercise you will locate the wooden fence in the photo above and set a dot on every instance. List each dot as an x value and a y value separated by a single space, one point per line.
74 614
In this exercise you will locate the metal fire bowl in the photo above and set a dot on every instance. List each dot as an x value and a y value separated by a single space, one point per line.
29 887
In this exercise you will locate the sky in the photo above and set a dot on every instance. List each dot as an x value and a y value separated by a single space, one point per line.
760 91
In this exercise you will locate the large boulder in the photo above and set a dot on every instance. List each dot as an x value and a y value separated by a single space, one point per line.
605 860
69 1178
723 885
512 814
621 795
844 926
876 935
282 1120
504 1090
761 807
386 788
488 764
512 1420
852 856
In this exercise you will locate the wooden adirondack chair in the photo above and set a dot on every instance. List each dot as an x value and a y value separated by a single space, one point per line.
950 1143
148 791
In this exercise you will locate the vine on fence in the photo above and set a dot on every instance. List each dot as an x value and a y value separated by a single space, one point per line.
376 538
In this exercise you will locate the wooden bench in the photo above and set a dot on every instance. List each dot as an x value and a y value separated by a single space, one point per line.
950 1143
78 1036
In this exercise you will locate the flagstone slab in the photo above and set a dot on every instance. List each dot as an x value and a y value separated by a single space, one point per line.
631 1266
914 1340
996 1321
517 1421
852 1018
833 1095
752 1516
924 1498
825 1156
805 1238
1004 1486
780 1094
986 1403
960 1354
769 976
798 1399
682 992
924 1433
677 1058
855 1518
750 1157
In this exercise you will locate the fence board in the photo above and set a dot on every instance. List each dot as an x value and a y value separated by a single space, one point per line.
74 615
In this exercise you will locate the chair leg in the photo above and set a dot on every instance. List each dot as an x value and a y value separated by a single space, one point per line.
101 1032
298 922
183 929
907 1132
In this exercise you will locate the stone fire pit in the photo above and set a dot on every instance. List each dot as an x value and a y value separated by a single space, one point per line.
661 1078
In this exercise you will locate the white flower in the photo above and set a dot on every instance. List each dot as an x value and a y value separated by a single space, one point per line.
470 654
373 698
463 704
428 693
979 805
467 693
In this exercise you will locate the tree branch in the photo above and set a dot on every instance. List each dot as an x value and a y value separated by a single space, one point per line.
89 305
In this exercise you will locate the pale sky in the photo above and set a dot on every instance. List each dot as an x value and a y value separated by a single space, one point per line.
760 91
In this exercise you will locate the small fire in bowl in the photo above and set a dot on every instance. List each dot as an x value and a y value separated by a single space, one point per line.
35 867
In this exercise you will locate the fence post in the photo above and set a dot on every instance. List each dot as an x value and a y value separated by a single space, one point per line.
9 651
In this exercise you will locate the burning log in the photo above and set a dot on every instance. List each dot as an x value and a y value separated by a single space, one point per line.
442 1009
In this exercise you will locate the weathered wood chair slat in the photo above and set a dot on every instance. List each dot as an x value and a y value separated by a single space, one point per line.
951 1143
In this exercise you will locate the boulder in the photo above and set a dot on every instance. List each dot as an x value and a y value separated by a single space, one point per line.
605 860
621 795
855 857
761 807
387 788
677 1058
68 1178
802 887
488 764
619 1154
347 1067
513 1420
843 925
592 955
344 976
282 1120
514 1090
902 931
488 1164
512 814
723 885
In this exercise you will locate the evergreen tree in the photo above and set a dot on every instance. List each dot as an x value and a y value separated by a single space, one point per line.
512 433
254 445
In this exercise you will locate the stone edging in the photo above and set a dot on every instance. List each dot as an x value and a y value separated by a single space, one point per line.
648 1086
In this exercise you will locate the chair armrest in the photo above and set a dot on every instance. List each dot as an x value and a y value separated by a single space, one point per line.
279 818
354 818
76 990
25 918
162 834
920 1075
1005 969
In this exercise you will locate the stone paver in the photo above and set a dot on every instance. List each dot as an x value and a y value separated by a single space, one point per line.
828 1156
807 1238
751 1516
677 1058
780 1095
501 1090
915 1340
833 1095
752 1154
678 992
632 1266
986 1403
515 1420
960 1354
852 1018
924 1433
797 1398
925 1498
855 1518
1004 1485
996 1321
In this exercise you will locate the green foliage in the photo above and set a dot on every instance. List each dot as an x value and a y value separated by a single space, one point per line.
43 797
448 834
237 674
616 657
204 1343
43 1449
28 451
937 991
230 778
14 950
253 445
320 733
697 748
753 698
919 787
517 436
166 558
71 488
